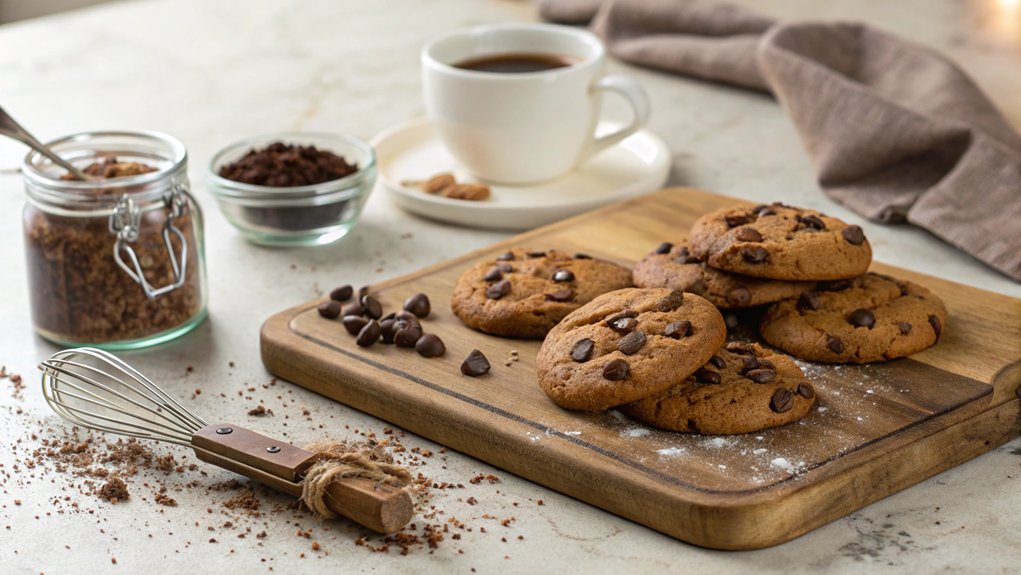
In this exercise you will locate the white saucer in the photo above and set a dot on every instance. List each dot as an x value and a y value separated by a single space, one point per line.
637 165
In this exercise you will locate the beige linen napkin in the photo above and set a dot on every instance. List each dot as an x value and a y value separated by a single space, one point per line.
896 132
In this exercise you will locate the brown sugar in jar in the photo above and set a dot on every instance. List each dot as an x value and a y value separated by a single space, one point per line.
115 262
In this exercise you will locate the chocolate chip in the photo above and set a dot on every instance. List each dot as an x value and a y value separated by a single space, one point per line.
353 308
718 362
862 318
622 323
505 257
390 315
407 335
409 318
854 235
505 268
904 327
631 343
342 293
475 364
582 351
834 344
685 259
677 329
430 345
354 323
581 256
754 254
747 234
937 326
731 320
362 292
750 363
493 275
498 290
387 330
563 295
670 301
782 400
418 304
763 211
835 285
369 334
734 220
329 309
535 254
809 300
740 348
709 376
663 248
812 222
761 375
373 308
740 296
615 370
563 276
805 390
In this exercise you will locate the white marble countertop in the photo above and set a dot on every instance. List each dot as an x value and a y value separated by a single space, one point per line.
214 71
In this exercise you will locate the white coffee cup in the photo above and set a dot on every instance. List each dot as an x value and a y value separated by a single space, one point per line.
523 127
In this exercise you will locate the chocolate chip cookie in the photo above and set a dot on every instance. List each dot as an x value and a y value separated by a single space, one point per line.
626 345
871 318
675 266
524 293
741 389
781 242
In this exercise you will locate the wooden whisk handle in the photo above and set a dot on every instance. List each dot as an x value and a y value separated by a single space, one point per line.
280 465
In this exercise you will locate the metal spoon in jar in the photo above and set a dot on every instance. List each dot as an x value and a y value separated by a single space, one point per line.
12 129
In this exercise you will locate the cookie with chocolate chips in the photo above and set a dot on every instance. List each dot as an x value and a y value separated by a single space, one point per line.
742 389
524 293
674 266
626 345
870 318
780 242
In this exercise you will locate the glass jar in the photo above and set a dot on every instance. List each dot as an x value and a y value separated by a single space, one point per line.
116 263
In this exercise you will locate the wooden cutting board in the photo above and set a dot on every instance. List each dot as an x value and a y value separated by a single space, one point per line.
876 429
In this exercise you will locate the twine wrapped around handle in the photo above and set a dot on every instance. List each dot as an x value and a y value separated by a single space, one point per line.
337 461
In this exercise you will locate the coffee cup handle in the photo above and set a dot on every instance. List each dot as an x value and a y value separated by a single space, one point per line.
635 95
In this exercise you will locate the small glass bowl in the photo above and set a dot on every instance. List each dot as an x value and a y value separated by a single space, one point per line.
317 214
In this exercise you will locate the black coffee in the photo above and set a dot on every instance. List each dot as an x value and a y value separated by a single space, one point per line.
516 63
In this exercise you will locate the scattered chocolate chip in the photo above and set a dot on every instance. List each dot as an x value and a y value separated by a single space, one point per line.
493 275
663 248
740 348
615 370
747 234
622 323
754 254
387 330
408 317
536 254
854 235
353 308
812 222
904 327
862 318
739 296
805 390
373 308
329 309
734 220
631 343
505 257
362 292
498 290
418 304
430 345
475 364
354 323
937 327
718 362
563 276
369 333
782 400
761 375
581 256
704 375
563 295
670 301
582 351
809 300
834 344
342 293
407 335
835 285
390 315
677 329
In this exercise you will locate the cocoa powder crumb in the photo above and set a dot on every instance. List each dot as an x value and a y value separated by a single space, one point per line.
114 490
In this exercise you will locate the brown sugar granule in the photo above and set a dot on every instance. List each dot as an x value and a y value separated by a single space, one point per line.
111 168
284 165
114 490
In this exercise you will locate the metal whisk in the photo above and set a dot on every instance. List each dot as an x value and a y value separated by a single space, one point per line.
94 389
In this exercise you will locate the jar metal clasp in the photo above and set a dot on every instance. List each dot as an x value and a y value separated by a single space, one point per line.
125 222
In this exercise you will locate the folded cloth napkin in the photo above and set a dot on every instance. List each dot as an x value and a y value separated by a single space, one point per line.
896 132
